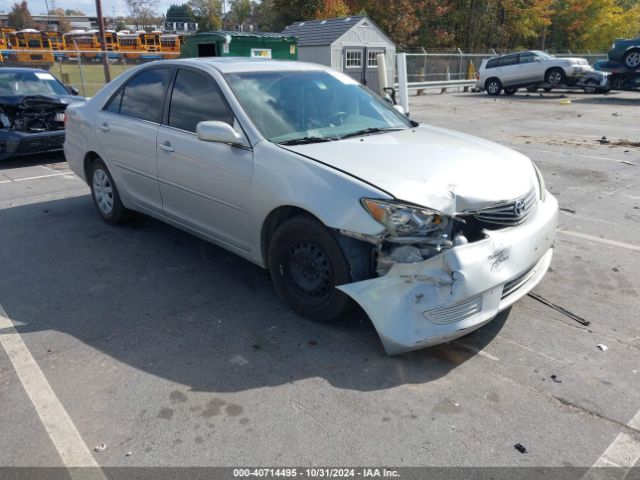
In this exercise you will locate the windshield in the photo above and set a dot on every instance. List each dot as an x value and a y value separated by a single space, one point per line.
543 55
30 83
312 106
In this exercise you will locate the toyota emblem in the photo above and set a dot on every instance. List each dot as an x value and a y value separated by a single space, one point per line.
519 207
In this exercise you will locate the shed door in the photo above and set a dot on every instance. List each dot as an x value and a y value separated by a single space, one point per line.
361 64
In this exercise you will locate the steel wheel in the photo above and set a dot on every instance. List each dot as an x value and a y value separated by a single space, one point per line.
591 86
103 191
309 270
632 59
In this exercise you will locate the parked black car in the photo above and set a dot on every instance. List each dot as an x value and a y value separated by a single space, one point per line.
32 105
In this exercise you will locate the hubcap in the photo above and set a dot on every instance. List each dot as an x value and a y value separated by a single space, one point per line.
310 270
555 78
633 60
103 191
493 87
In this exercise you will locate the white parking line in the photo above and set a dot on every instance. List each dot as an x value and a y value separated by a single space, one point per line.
606 241
24 179
623 453
563 154
63 433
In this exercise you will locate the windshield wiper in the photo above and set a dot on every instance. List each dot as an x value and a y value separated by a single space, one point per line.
370 130
303 140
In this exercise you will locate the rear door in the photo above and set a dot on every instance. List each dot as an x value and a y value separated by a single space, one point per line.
529 67
509 70
126 129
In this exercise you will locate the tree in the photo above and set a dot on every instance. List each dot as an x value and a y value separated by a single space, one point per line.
20 17
265 17
332 9
70 11
179 13
142 12
208 14
240 11
64 25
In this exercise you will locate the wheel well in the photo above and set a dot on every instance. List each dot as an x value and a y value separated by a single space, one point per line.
276 218
489 79
549 70
88 160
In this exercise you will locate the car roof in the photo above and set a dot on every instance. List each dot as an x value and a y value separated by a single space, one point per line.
21 70
245 64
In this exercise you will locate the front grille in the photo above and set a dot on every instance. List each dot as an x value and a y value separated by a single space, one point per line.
510 213
455 313
513 285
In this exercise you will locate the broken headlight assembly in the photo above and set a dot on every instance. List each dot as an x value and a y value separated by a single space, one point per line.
407 223
413 233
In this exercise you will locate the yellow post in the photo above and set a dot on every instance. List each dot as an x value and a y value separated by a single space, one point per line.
471 71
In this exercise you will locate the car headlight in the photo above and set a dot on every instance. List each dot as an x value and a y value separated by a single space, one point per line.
408 221
541 185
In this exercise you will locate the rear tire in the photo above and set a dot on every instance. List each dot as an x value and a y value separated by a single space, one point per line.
105 194
510 91
306 263
493 86
632 59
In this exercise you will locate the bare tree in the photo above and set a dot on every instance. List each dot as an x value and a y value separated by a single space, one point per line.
142 12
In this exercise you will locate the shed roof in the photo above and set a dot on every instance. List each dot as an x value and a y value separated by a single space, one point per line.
233 34
322 32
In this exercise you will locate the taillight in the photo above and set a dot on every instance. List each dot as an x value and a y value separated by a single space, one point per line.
65 119
477 75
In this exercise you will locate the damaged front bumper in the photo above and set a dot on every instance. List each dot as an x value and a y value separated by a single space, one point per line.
416 305
15 143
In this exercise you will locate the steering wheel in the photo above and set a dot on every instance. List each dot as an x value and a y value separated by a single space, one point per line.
338 118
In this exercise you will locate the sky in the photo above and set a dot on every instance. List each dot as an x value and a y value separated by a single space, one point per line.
87 6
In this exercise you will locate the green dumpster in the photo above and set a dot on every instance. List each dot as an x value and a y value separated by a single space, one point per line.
240 44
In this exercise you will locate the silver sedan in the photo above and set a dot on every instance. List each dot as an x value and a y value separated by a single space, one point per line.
305 172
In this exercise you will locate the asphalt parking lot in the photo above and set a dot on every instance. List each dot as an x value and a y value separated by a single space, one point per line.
173 352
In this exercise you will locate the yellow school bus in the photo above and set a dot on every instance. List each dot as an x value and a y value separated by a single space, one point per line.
86 44
29 48
150 44
130 44
56 39
170 46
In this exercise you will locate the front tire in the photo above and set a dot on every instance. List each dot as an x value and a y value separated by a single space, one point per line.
555 77
306 263
493 86
591 86
105 194
632 59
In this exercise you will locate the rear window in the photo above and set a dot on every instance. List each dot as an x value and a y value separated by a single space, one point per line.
493 63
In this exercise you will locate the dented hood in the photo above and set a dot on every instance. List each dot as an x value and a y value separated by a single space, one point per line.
434 167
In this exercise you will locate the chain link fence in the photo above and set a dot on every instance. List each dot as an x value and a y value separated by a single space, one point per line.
82 69
431 67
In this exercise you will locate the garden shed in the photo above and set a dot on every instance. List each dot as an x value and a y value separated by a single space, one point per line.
348 44
240 44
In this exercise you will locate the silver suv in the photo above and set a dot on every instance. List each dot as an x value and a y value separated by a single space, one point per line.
529 69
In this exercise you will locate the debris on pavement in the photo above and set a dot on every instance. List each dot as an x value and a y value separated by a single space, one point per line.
128 454
616 269
602 347
604 141
556 379
100 447
239 360
568 210
521 448
564 311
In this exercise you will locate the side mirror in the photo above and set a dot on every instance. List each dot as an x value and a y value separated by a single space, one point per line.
72 90
219 132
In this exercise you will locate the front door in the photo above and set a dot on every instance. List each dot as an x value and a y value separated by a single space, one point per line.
205 186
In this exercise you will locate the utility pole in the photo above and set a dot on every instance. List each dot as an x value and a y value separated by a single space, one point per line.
103 42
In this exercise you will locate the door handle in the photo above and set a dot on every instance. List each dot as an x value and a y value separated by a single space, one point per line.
104 127
167 147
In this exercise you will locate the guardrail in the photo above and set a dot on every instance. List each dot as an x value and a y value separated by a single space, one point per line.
438 84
